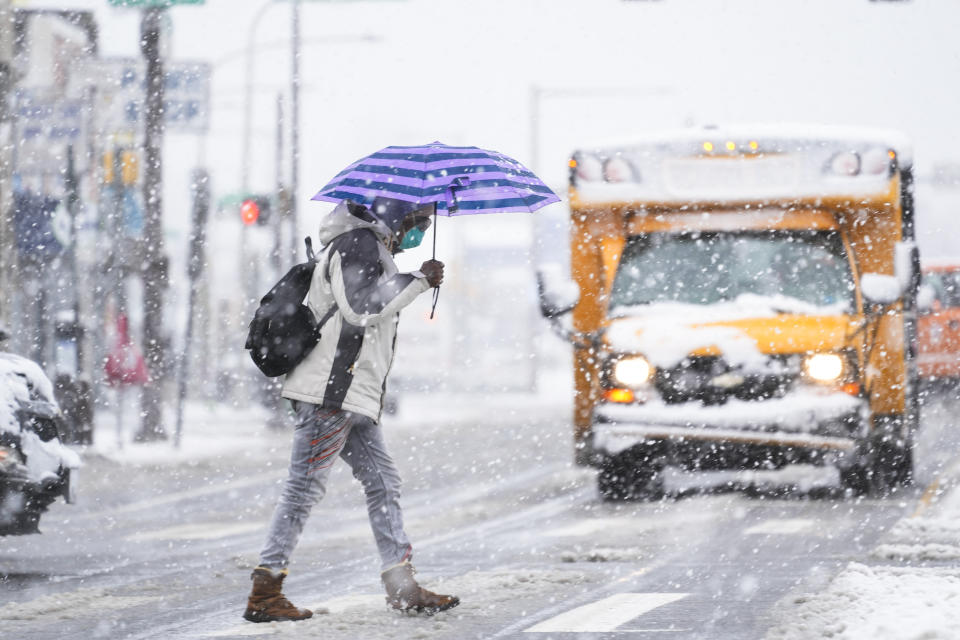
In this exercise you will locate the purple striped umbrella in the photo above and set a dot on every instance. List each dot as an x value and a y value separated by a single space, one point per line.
459 180
456 180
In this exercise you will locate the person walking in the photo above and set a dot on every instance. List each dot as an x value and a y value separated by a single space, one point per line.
337 394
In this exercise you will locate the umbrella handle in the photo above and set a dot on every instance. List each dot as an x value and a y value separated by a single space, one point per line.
458 182
436 290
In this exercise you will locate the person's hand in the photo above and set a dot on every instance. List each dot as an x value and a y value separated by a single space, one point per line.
433 270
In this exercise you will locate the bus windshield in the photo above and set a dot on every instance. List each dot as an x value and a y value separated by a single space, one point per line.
705 268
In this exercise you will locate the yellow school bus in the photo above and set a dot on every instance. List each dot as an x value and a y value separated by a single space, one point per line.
746 301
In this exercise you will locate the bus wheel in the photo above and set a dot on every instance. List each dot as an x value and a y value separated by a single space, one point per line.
630 476
893 466
856 480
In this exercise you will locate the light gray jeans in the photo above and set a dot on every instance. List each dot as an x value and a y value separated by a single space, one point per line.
320 436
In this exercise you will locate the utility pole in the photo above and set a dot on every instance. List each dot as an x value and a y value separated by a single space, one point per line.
73 202
295 131
201 211
8 250
280 205
154 265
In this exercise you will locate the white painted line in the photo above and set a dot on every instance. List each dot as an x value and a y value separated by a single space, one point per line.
605 615
786 526
376 602
202 531
171 498
583 528
245 630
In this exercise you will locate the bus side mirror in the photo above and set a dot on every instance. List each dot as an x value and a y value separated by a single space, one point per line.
880 289
906 266
926 298
558 295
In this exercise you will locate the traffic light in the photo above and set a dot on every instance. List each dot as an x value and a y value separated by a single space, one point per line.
129 166
255 209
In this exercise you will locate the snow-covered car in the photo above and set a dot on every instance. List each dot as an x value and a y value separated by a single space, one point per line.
35 467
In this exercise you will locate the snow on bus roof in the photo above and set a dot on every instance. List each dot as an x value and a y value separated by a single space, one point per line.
796 131
742 163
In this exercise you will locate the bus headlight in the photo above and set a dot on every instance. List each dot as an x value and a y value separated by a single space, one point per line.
823 367
632 371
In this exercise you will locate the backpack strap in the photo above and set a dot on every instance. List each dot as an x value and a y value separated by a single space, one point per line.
326 317
313 258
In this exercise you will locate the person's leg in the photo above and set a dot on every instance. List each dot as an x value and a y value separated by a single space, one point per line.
319 436
366 453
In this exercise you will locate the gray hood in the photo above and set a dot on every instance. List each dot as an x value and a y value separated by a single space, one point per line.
348 216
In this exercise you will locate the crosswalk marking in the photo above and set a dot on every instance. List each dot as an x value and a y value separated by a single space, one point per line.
785 526
605 615
373 601
584 527
245 630
201 531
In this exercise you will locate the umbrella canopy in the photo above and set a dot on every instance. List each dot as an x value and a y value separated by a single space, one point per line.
459 180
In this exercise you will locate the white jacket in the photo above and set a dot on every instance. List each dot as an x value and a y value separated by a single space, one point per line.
348 368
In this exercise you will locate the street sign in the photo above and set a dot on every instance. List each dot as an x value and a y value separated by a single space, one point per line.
43 115
137 4
121 86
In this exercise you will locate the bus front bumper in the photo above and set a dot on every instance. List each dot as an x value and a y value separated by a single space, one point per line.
800 427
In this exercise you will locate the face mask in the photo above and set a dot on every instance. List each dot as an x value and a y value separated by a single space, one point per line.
412 239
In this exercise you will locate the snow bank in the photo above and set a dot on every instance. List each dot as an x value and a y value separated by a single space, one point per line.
897 602
869 603
606 554
81 603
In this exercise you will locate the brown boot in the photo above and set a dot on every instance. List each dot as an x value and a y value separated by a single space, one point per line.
405 594
267 603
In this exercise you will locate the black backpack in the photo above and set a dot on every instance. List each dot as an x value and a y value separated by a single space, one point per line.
284 330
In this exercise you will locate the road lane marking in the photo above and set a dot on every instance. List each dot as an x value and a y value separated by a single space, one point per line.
170 498
200 531
940 484
245 630
605 615
635 574
373 601
583 528
785 526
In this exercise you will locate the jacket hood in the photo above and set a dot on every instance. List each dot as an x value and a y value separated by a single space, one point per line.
348 216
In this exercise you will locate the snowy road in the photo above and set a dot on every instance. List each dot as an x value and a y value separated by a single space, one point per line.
497 515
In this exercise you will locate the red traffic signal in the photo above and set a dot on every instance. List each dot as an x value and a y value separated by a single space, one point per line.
249 211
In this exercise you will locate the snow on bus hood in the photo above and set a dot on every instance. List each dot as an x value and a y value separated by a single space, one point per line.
744 331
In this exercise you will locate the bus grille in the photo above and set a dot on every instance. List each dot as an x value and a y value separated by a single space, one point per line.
703 379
